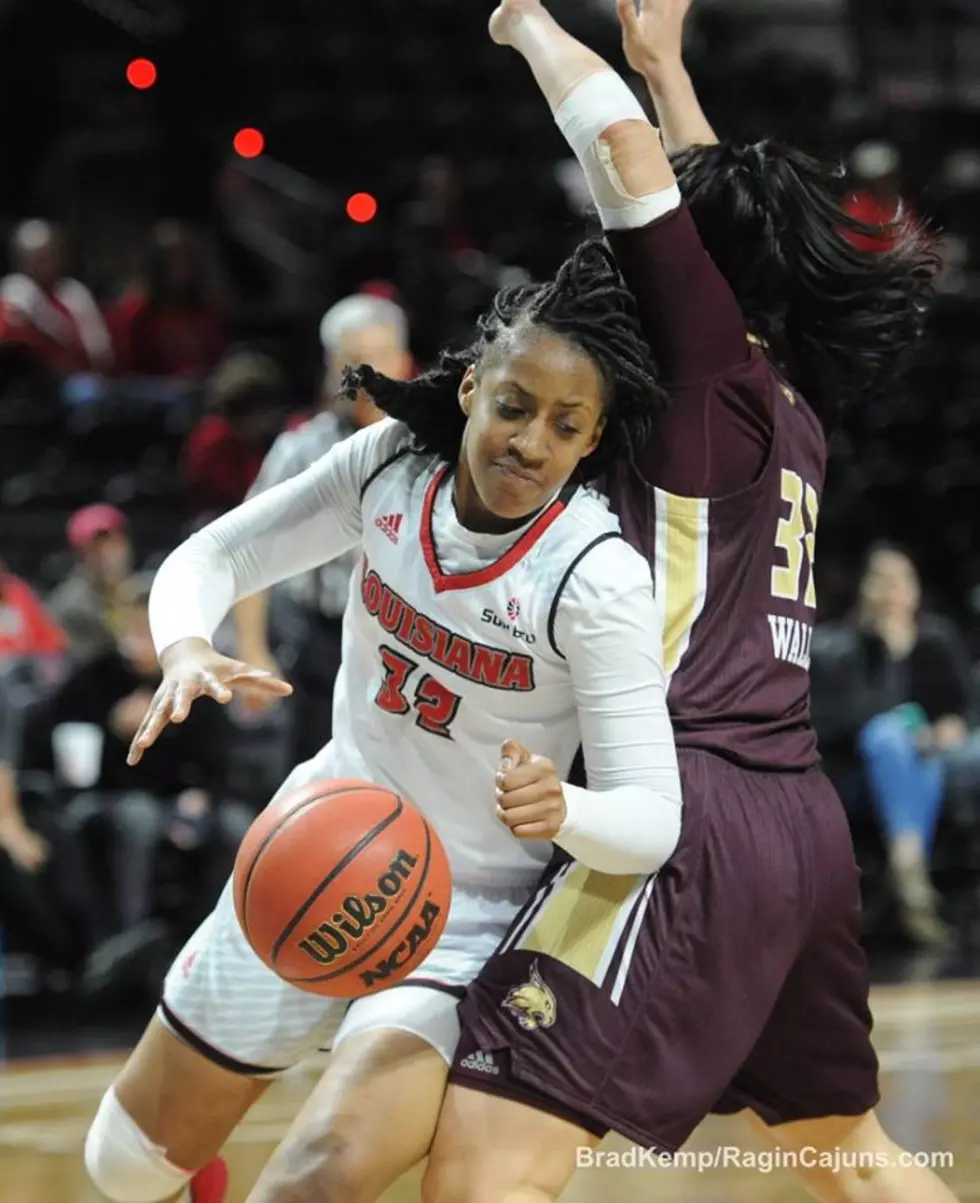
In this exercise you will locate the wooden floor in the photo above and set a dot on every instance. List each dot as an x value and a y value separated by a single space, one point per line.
928 1038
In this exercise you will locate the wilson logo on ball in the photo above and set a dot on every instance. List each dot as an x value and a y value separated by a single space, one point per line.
358 914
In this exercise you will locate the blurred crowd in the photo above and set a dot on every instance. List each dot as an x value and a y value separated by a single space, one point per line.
136 408
105 868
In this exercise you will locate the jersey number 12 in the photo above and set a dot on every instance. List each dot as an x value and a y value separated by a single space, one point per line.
435 706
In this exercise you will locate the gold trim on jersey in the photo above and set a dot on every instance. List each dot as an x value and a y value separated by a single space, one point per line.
680 569
581 921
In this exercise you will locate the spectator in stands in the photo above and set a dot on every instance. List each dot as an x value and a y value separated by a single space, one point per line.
170 324
85 602
55 317
248 398
175 796
891 706
46 904
26 629
359 329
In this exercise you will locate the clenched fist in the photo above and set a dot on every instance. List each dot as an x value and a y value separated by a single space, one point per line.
529 796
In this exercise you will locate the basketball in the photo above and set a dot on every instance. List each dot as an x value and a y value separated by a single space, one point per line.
342 888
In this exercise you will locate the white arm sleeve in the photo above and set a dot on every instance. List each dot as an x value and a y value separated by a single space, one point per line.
289 529
610 631
598 102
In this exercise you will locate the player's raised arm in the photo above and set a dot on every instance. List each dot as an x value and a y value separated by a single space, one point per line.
292 528
627 169
653 36
688 312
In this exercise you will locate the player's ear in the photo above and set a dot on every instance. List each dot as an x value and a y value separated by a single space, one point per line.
467 390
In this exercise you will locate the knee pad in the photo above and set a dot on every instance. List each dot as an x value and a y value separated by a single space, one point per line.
601 100
123 1163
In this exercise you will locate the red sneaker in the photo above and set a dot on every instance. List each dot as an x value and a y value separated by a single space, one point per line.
210 1184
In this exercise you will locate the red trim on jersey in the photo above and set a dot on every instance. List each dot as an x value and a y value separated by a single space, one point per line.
471 580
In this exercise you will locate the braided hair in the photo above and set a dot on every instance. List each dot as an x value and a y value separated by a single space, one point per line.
587 303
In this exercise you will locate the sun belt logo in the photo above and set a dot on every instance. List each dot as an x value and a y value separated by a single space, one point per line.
389 525
511 627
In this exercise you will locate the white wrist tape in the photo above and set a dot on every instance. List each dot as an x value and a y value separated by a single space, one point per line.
583 116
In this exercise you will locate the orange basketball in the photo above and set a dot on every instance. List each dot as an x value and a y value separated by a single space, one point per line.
342 888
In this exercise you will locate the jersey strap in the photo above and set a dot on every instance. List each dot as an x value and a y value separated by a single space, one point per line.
553 612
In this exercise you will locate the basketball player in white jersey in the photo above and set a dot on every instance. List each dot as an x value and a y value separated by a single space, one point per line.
497 620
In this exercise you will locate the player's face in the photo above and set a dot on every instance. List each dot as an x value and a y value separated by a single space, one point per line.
534 410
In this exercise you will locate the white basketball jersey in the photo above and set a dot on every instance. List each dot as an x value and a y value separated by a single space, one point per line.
440 668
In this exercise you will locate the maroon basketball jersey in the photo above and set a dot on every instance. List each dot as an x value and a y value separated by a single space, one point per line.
734 576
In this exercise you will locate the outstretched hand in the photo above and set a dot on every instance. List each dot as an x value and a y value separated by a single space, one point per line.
529 795
193 669
654 33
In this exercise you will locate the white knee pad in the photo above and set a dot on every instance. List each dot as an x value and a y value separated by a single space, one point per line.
123 1163
598 102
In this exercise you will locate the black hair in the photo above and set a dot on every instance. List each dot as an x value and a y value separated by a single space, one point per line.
587 303
887 547
840 321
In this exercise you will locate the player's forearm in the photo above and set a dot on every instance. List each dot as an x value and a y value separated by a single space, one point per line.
679 113
632 829
627 170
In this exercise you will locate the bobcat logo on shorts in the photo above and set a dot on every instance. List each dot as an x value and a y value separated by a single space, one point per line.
533 1003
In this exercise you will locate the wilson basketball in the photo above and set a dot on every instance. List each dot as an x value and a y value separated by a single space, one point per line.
342 888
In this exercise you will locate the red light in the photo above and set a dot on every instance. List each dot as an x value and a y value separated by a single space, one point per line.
362 207
249 143
141 73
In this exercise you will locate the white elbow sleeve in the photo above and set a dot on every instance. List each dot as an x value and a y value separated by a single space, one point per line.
597 103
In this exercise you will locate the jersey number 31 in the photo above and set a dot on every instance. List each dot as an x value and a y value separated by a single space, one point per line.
796 537
435 706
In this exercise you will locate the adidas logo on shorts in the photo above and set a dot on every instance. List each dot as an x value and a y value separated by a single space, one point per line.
480 1061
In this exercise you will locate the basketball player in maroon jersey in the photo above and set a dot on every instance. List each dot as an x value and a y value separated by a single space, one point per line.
739 982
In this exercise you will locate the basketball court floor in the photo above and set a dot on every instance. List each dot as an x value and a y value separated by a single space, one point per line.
927 1035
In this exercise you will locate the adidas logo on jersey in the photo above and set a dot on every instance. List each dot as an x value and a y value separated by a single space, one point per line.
389 525
480 1061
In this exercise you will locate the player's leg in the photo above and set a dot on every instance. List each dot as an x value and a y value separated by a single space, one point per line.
165 1117
812 1078
624 1004
850 1159
491 1149
373 1115
225 1027
369 1120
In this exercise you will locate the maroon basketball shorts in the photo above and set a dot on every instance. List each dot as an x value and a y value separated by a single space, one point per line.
731 979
